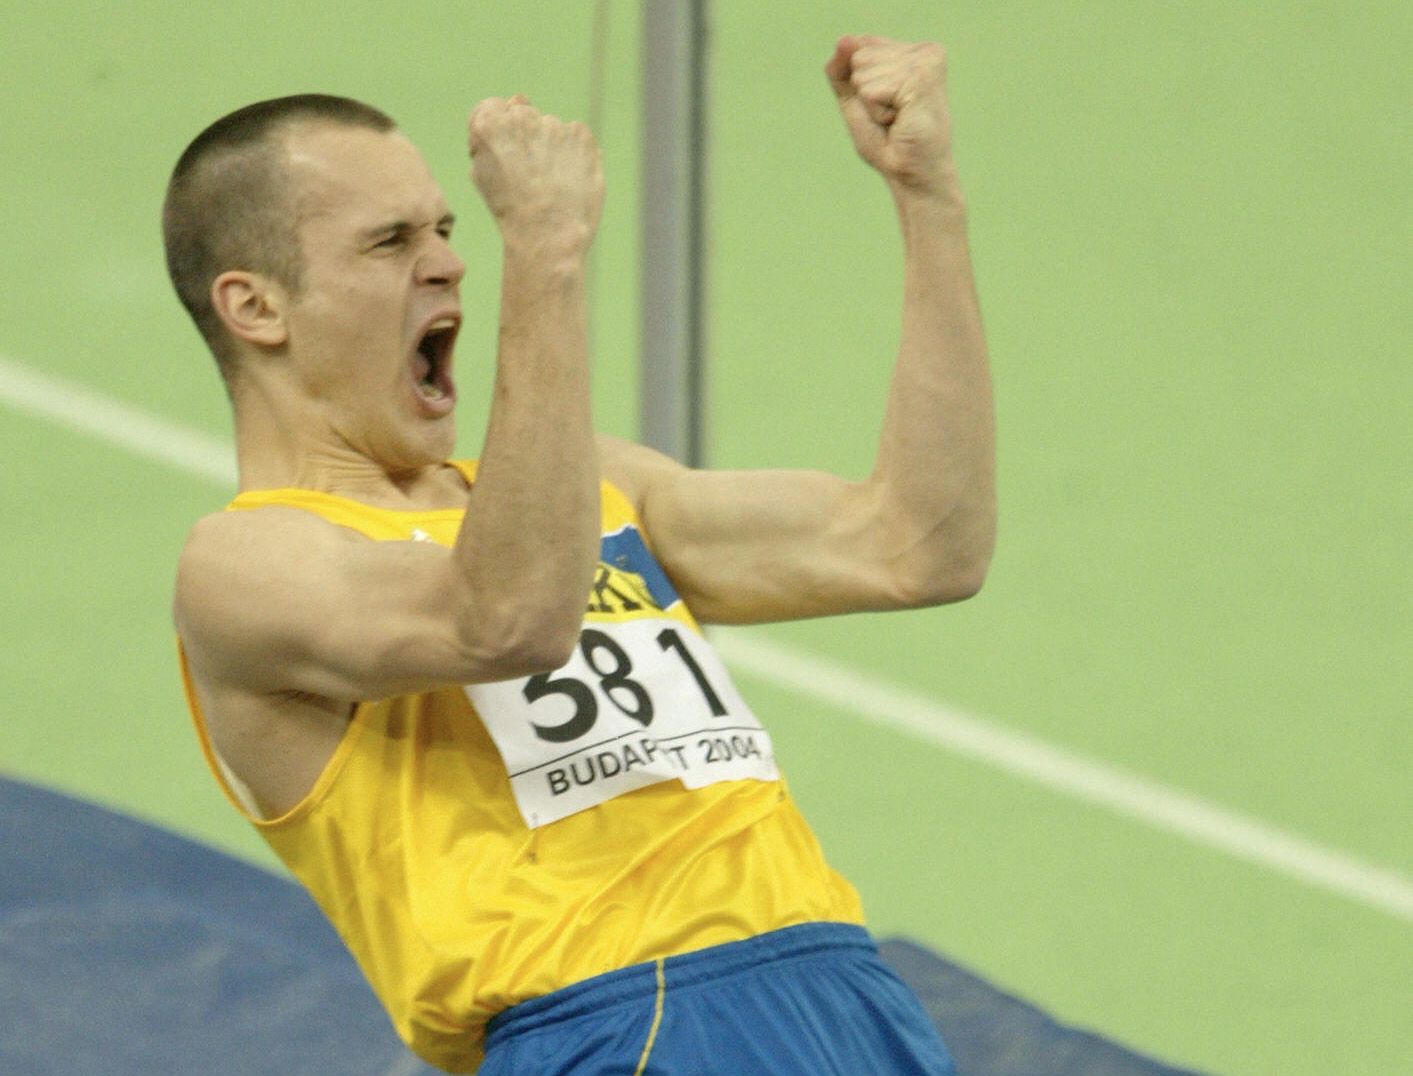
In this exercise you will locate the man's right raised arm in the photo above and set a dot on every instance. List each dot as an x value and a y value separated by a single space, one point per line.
278 600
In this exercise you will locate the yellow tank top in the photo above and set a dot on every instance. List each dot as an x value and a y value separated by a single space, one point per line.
412 843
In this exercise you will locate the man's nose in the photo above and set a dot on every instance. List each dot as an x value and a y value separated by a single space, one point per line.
440 264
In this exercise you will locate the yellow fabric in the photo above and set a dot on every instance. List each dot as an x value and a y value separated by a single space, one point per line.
411 843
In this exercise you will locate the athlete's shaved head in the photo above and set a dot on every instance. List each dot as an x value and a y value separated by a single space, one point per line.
230 205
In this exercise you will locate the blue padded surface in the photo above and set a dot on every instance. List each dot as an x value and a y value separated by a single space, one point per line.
128 950
992 1033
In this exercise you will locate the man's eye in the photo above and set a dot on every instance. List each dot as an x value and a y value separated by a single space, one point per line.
389 242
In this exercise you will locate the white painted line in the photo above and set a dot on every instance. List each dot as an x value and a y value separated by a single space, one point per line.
74 407
1065 771
850 692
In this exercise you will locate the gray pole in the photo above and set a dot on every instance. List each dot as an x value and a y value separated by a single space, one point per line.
672 316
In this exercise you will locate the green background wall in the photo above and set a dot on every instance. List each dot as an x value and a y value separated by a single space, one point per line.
1190 225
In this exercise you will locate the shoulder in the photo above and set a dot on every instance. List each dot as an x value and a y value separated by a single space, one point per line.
635 469
224 544
239 570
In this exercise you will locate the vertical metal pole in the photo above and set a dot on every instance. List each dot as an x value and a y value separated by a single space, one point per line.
672 292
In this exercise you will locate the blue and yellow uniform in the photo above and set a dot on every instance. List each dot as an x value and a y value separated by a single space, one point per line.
468 877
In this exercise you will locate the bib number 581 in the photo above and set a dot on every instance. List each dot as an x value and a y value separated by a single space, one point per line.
613 668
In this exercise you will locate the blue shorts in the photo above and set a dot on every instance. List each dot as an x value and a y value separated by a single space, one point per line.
810 1000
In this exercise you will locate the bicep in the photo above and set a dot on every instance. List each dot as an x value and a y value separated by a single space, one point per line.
760 545
753 546
289 604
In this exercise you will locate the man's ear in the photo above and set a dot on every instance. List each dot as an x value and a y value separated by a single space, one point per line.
252 307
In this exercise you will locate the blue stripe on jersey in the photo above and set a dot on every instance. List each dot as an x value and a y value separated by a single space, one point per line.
625 550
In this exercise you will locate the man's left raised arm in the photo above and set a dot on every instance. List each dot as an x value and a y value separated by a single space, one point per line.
936 459
748 546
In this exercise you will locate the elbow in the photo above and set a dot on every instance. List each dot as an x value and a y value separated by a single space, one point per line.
532 659
524 643
944 585
520 631
944 560
967 582
550 648
945 572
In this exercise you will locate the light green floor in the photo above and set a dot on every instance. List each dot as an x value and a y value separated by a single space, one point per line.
1190 225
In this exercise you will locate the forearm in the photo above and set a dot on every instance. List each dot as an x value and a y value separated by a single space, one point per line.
935 470
529 543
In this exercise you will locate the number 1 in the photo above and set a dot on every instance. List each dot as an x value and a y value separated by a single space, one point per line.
668 639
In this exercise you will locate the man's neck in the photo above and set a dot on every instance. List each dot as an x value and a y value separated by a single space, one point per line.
270 456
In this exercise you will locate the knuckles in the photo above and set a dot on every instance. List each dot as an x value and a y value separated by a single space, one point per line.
925 58
495 119
533 166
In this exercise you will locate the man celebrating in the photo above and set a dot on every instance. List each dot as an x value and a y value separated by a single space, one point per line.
549 829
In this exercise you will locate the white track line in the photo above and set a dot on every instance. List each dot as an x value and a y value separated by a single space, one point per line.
854 693
1065 771
68 404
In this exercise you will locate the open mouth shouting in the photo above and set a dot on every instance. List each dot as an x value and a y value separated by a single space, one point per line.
431 363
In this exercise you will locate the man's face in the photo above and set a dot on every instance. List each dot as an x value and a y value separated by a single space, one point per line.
372 327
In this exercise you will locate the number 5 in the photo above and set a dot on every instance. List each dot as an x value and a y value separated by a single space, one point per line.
586 707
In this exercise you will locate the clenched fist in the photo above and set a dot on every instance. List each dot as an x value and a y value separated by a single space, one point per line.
540 177
893 97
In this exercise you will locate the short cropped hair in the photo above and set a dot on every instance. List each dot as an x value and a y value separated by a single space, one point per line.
229 204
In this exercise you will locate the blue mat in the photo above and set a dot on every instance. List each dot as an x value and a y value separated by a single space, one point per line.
126 950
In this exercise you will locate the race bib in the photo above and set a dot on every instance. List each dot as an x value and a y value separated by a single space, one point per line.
641 701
